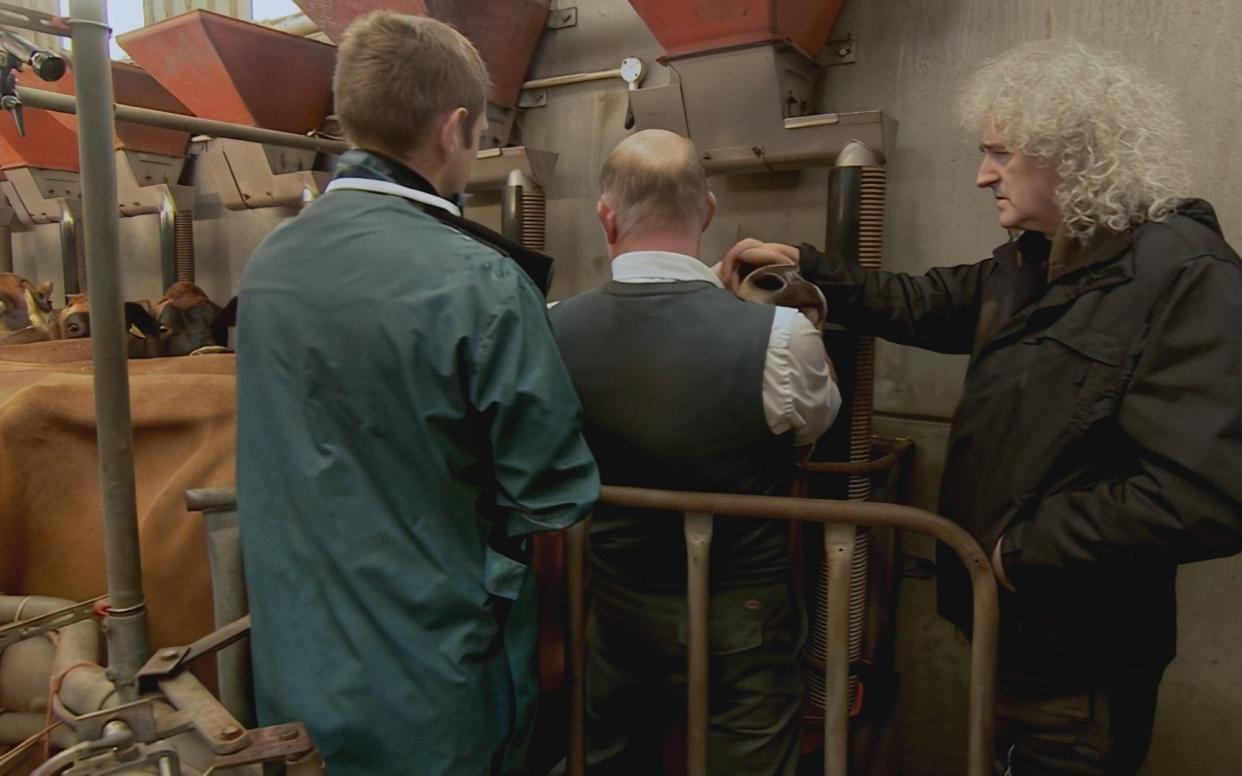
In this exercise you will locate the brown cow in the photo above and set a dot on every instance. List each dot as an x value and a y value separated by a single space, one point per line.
26 311
186 314
177 325
183 426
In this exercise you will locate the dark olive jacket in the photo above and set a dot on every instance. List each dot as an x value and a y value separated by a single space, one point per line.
1099 430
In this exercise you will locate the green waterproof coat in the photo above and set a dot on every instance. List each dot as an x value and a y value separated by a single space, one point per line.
404 423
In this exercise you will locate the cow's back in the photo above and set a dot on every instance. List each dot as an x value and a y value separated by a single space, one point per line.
183 421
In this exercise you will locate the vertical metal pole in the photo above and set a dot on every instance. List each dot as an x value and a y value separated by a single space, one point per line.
6 238
576 548
168 242
228 596
126 622
698 530
839 550
511 207
70 233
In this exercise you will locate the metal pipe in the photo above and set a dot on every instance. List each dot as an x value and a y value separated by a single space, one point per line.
85 689
6 247
168 242
128 646
69 239
839 546
572 78
523 211
228 593
986 614
80 274
698 531
511 208
899 450
61 103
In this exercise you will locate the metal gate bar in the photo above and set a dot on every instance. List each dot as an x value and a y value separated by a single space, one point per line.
840 518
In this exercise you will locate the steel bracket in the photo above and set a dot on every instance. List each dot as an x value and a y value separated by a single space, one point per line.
39 195
170 660
560 18
533 98
249 175
278 742
841 52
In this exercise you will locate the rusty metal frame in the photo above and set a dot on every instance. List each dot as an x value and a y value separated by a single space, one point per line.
840 519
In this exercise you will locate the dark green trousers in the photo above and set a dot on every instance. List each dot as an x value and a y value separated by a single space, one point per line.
636 680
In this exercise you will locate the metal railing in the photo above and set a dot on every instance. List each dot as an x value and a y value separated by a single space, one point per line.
839 519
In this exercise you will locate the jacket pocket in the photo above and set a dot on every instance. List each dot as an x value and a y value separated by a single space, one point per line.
747 618
1093 360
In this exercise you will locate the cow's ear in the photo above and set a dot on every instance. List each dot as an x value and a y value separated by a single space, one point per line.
137 316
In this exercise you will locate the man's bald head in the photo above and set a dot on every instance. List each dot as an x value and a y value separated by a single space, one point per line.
654 182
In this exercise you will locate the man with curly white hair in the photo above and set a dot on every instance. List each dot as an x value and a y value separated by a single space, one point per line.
1097 441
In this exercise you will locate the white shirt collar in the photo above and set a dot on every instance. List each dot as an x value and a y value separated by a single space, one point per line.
388 187
661 267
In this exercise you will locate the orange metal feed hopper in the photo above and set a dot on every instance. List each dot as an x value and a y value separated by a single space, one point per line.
51 139
231 70
506 32
693 26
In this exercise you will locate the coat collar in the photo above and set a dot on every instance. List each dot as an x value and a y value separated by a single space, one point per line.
361 170
1069 254
1075 268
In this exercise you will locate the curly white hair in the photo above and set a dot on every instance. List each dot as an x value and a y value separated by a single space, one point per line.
1110 130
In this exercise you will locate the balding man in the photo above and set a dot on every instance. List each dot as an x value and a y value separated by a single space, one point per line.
686 387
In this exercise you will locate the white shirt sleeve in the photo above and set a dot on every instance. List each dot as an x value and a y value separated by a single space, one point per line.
799 393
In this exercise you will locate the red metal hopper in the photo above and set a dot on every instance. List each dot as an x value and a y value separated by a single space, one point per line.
506 32
227 69
51 139
693 26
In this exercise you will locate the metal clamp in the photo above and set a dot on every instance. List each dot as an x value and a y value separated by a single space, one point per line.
170 660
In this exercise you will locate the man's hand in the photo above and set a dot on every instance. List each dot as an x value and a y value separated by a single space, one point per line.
998 567
750 254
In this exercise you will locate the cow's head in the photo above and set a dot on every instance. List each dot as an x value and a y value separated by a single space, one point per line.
75 317
782 285
186 314
146 337
25 310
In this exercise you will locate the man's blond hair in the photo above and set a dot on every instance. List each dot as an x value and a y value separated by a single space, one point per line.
395 74
654 181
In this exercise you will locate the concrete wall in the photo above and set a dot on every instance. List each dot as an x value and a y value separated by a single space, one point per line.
912 56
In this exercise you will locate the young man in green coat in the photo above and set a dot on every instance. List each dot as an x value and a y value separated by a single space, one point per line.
404 423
